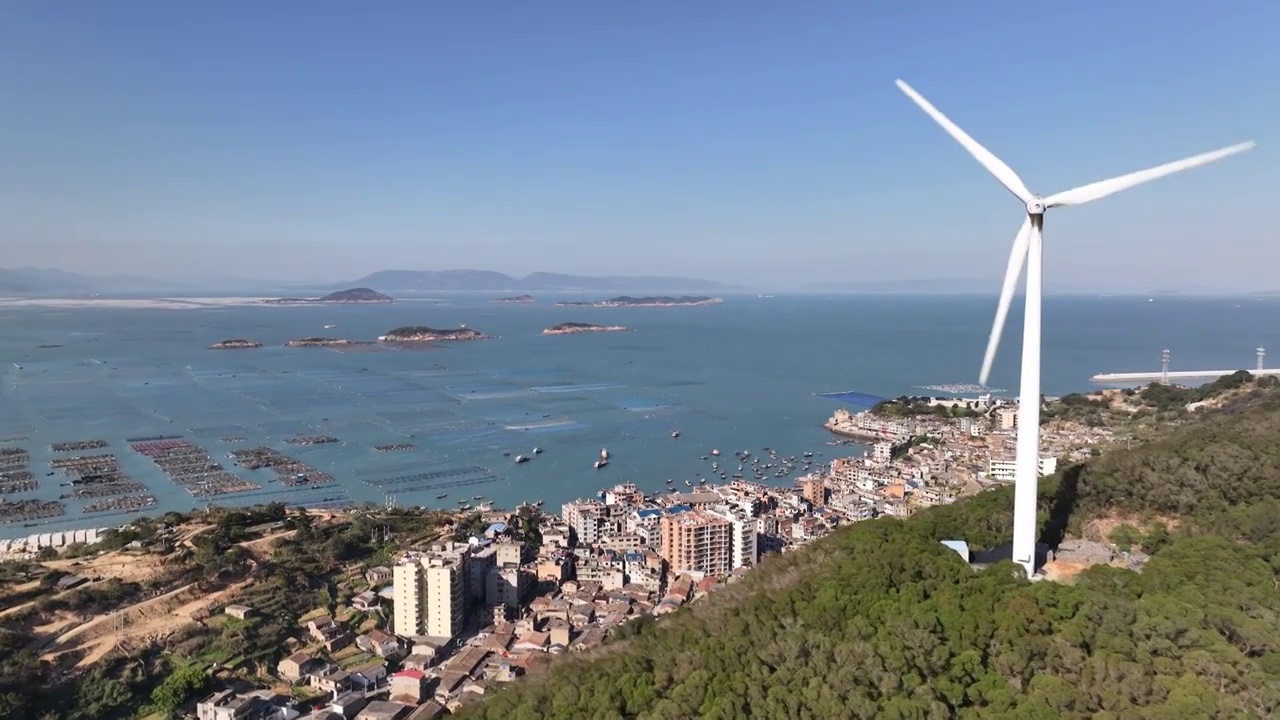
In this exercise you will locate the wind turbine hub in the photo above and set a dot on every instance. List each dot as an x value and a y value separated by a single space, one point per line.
1035 206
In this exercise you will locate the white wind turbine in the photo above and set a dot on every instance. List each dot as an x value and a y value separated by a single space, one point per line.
1028 246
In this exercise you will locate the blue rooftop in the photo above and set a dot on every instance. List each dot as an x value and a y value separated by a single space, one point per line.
497 528
679 509
648 513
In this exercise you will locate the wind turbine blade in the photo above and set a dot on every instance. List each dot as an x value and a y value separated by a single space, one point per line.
993 164
1101 189
1016 257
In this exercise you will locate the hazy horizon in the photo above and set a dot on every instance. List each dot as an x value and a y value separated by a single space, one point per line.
766 148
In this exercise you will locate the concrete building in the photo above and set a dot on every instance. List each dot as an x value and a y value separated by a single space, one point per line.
228 705
586 518
410 598
506 585
814 489
698 541
1003 469
429 593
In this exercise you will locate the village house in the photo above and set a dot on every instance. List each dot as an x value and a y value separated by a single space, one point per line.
380 575
240 612
298 665
380 643
367 601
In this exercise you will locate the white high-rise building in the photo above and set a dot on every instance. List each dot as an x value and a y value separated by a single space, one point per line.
410 597
446 603
744 550
429 594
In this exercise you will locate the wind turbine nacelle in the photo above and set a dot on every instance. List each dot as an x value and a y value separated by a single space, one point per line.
1035 206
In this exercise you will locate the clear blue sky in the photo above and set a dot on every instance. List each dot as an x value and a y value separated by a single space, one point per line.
756 142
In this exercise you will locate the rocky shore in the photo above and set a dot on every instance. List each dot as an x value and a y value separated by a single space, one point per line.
235 344
324 342
572 328
422 333
353 295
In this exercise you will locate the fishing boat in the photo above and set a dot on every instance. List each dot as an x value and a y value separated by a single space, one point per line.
604 453
715 452
601 463
521 458
675 433
442 496
537 451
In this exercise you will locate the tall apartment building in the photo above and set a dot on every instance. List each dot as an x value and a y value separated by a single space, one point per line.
814 488
698 541
429 596
586 518
745 550
410 596
446 603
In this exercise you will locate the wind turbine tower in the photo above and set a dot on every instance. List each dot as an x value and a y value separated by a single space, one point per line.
1028 247
1262 353
1164 366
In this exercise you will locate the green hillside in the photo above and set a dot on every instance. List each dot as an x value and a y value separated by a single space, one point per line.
879 620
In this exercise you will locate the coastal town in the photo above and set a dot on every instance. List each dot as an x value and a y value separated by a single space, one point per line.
451 615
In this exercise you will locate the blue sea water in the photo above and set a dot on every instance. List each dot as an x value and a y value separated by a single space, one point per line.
742 375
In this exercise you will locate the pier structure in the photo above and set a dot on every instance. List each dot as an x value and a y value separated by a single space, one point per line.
1165 375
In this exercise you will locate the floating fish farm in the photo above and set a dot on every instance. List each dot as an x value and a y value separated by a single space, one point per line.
95 476
312 440
434 481
14 475
20 510
289 471
79 446
190 467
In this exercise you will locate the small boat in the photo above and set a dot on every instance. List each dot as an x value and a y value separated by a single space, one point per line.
601 463
537 451
604 453
477 497
715 452
600 494
330 327
442 496
669 481
675 433
537 503
521 458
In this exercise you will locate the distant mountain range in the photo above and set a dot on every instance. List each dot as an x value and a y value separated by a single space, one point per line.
425 281
30 281
38 281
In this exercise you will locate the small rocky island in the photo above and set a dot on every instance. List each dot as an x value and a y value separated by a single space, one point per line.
518 299
572 328
422 333
660 301
353 295
235 344
324 342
